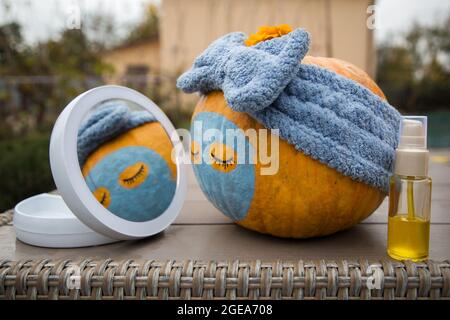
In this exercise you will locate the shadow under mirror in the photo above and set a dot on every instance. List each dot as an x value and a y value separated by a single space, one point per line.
125 159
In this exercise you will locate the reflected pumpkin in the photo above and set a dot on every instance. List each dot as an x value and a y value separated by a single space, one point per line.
133 175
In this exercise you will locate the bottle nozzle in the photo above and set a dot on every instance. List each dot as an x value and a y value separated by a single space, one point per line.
412 154
413 133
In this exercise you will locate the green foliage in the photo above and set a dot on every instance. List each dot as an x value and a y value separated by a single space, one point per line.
36 82
24 169
415 74
147 29
10 42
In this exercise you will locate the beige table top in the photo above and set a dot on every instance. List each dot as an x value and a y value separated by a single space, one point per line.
201 232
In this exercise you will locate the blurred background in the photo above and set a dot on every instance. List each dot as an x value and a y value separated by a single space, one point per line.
52 50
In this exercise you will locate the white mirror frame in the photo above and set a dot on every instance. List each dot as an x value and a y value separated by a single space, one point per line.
69 179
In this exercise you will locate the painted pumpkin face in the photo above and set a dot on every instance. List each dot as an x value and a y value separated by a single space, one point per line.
133 175
305 198
223 164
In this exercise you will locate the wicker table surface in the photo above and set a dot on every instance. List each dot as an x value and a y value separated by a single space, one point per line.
201 233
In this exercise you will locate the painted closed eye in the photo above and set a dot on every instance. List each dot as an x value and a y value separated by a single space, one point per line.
103 196
223 157
134 175
195 152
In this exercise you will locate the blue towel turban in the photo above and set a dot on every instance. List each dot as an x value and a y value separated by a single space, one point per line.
107 122
324 115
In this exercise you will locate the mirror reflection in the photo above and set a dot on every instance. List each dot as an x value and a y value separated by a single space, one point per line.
125 159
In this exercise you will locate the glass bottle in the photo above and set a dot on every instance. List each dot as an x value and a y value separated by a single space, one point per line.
410 194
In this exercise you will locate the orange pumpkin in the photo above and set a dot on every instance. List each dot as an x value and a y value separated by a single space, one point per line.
306 198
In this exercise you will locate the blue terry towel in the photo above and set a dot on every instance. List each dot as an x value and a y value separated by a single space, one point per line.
325 115
107 122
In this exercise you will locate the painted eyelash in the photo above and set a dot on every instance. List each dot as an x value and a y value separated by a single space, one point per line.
137 175
224 163
102 201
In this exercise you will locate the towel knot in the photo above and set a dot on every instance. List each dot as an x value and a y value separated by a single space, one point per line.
250 77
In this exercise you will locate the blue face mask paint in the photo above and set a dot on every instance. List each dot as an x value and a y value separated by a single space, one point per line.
218 175
131 200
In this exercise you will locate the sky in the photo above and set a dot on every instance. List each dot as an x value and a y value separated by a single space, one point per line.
394 17
42 19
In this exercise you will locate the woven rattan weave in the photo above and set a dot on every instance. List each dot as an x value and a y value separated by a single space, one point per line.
107 279
6 218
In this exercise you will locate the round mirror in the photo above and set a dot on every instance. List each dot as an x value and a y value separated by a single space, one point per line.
113 160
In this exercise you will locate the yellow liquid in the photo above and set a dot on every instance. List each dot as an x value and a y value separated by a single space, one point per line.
408 238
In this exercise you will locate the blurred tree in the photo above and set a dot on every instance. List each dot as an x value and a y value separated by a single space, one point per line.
415 75
16 59
395 73
38 81
101 30
10 42
148 28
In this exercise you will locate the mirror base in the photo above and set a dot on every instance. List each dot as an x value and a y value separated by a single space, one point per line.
45 220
